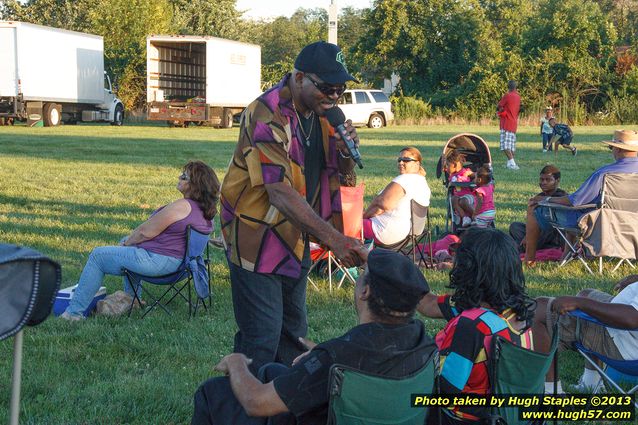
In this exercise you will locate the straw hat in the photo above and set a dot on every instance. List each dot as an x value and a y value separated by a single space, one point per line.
624 139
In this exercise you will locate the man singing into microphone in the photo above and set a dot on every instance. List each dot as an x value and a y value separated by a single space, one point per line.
282 186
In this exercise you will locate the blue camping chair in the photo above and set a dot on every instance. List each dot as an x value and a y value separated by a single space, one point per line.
194 268
626 367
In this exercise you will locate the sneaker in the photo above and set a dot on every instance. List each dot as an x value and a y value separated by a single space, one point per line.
586 389
574 151
514 167
544 150
71 317
466 221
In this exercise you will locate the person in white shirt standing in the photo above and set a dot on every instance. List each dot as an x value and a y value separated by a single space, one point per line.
546 130
387 219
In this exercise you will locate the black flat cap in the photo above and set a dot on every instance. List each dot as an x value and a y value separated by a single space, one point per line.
326 61
395 280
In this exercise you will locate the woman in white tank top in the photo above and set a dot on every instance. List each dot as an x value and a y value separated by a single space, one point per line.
387 219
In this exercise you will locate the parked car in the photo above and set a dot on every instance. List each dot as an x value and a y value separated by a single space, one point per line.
367 107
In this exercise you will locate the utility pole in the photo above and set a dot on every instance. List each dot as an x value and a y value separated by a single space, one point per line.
333 10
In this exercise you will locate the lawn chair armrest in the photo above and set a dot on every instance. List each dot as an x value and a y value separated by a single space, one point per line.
567 207
582 315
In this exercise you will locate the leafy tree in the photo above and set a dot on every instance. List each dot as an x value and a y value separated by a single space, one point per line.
125 24
218 18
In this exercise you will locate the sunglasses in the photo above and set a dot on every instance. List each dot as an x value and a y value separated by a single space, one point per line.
406 159
184 177
611 148
325 88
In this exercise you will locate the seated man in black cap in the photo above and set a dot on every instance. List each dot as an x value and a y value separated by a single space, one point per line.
387 341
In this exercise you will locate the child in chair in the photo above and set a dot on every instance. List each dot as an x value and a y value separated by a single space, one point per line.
462 197
484 210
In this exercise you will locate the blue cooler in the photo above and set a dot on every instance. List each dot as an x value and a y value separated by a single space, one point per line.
64 297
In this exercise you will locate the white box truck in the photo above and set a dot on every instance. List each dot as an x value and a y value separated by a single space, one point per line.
53 75
193 79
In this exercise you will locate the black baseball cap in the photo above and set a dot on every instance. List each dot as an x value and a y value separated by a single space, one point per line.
324 60
395 280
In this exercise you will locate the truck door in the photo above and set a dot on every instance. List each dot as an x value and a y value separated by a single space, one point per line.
8 62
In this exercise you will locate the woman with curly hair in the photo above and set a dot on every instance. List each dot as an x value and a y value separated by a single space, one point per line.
489 299
157 246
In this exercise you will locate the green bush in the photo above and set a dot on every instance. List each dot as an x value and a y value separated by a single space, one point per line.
409 108
623 108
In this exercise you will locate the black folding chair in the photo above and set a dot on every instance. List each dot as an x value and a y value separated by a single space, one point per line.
420 231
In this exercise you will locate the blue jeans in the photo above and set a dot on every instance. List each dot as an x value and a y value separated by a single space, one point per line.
564 218
546 141
216 404
110 260
270 311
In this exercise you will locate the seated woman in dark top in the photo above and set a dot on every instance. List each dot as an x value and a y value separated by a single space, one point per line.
489 299
548 181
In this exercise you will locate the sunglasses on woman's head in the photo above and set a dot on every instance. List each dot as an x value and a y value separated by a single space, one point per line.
184 177
325 88
406 159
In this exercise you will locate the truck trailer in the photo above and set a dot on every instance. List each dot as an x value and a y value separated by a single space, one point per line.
54 75
193 79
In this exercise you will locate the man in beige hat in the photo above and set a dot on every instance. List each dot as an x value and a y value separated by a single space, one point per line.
624 147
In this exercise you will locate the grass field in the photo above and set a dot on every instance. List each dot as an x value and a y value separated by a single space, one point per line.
66 190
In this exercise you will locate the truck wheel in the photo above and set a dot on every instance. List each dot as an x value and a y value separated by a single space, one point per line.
376 121
52 114
118 116
227 118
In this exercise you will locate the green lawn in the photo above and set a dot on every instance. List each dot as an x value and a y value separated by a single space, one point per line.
66 190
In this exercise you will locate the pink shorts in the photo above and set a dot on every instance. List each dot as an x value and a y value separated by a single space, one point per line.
368 233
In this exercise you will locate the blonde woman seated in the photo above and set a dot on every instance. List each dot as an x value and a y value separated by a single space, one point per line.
387 219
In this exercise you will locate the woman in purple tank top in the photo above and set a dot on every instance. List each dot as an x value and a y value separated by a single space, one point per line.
157 246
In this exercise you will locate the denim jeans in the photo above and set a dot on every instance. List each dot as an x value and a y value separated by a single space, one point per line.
110 260
216 404
270 311
546 141
563 218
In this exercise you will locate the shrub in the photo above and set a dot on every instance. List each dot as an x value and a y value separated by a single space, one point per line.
409 108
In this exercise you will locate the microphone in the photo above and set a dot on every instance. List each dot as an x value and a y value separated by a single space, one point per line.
337 118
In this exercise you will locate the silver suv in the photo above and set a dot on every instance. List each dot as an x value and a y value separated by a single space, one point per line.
367 107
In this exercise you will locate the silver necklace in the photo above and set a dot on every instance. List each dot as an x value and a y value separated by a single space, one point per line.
312 124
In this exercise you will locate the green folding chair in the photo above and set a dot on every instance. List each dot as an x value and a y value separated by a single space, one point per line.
517 370
358 398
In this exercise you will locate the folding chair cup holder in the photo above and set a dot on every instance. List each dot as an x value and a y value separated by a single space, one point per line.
190 270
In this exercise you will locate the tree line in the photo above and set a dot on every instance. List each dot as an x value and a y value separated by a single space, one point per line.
454 57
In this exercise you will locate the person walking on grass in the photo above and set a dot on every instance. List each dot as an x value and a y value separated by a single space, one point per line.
507 110
562 135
